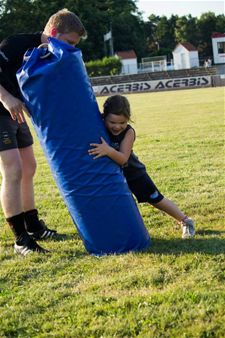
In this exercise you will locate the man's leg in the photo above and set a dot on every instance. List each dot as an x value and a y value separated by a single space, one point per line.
11 170
28 170
11 200
35 227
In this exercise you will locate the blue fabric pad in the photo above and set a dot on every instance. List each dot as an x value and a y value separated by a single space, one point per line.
65 115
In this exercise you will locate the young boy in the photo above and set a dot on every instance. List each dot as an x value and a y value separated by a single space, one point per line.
17 162
117 114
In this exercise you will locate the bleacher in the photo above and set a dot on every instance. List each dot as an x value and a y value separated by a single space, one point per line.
151 76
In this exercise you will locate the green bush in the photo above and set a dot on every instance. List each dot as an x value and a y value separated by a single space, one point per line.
107 66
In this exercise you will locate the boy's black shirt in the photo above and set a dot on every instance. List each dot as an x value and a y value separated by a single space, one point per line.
133 168
12 50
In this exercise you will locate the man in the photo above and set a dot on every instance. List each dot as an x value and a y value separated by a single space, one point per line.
17 162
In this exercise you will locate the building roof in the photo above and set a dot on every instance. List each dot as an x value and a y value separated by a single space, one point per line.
188 46
218 35
127 54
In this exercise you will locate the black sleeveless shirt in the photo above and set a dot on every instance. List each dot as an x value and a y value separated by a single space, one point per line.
133 168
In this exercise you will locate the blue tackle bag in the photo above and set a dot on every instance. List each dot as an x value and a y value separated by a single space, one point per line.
58 94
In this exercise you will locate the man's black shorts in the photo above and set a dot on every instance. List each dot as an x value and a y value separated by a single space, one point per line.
13 134
145 190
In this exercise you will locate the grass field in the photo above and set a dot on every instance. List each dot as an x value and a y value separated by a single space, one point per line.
176 289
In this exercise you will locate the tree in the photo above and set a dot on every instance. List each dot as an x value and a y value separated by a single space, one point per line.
120 16
186 30
207 25
150 31
106 66
157 36
97 16
165 34
128 33
26 16
220 23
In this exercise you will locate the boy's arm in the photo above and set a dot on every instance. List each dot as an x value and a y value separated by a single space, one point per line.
120 156
14 106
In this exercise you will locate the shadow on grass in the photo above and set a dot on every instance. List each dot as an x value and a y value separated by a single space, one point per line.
63 237
7 251
37 258
210 232
9 242
211 246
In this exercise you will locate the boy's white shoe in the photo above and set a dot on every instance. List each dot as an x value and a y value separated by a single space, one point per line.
188 228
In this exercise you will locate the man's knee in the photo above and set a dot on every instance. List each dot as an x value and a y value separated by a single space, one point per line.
11 171
28 162
29 168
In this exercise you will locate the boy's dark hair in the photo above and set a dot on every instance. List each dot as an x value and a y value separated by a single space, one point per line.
117 105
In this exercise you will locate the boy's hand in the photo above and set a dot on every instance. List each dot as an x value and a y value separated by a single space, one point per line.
15 107
100 149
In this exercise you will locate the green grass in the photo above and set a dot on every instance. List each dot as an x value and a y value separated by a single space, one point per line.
176 289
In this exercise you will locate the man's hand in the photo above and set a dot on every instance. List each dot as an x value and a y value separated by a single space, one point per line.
15 107
100 149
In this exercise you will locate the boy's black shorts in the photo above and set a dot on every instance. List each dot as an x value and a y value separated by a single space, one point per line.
145 190
13 134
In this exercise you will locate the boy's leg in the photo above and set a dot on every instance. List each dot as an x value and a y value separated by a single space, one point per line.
35 227
170 208
145 190
28 171
11 170
11 200
188 229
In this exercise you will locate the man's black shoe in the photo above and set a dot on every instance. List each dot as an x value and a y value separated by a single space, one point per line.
25 245
43 233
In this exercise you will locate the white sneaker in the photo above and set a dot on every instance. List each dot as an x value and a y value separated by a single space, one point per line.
188 228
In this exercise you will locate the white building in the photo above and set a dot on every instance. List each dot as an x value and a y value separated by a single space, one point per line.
218 45
129 61
185 56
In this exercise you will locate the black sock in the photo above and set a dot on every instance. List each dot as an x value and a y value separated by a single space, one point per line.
17 224
32 222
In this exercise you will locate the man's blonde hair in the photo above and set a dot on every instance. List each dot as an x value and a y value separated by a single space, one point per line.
65 22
